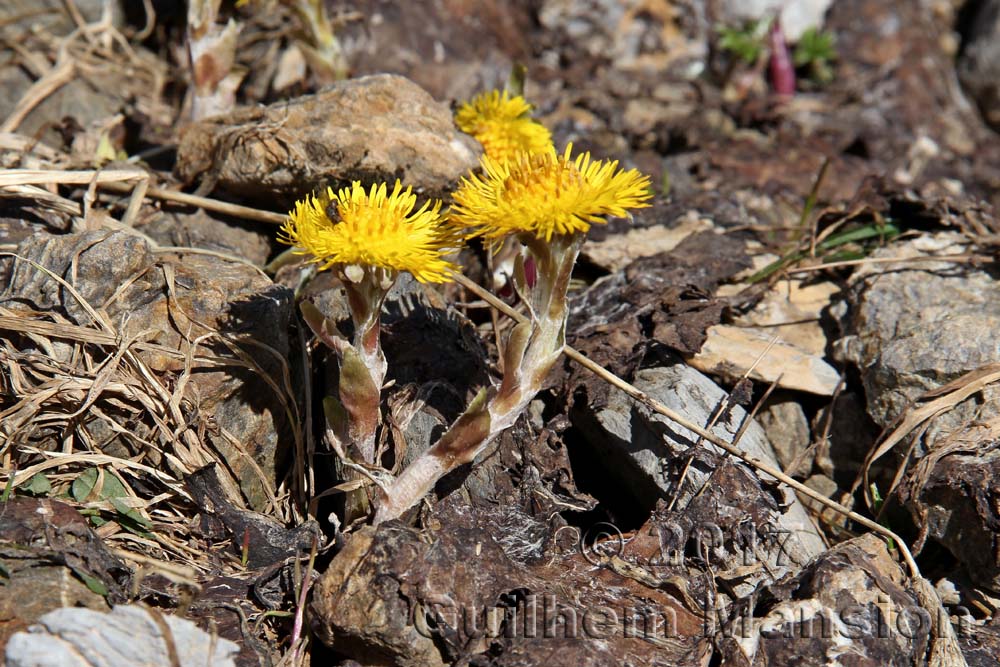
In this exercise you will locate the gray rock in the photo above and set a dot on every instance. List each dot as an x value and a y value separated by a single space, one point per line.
591 24
398 596
453 50
126 636
852 605
849 438
85 103
94 263
919 325
979 61
614 30
916 327
376 128
239 417
828 488
980 642
643 453
951 492
49 551
785 424
199 229
617 31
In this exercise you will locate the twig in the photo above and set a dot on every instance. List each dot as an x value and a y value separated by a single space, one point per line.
57 77
135 203
204 202
42 196
21 143
147 30
75 177
300 607
962 258
119 180
175 572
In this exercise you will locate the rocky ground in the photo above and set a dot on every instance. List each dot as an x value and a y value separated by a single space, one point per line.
815 282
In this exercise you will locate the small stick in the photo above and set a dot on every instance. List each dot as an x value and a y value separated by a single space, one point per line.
119 180
70 177
300 607
960 258
204 202
135 203
54 79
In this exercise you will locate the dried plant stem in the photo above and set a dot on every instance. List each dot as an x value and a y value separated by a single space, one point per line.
963 258
324 51
300 606
57 77
245 212
123 181
212 53
76 177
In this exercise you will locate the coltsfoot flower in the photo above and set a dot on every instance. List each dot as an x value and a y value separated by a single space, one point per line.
376 228
546 194
503 125
547 202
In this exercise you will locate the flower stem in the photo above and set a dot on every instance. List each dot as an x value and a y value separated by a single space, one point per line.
531 350
365 298
353 420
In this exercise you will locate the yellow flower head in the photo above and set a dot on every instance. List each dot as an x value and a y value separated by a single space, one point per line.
546 194
373 228
502 125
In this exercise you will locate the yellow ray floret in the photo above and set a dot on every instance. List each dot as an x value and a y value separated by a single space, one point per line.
546 194
502 125
373 228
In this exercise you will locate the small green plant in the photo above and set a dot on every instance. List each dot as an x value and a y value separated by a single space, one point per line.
813 55
815 52
38 485
95 484
8 488
95 585
834 248
878 502
747 43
